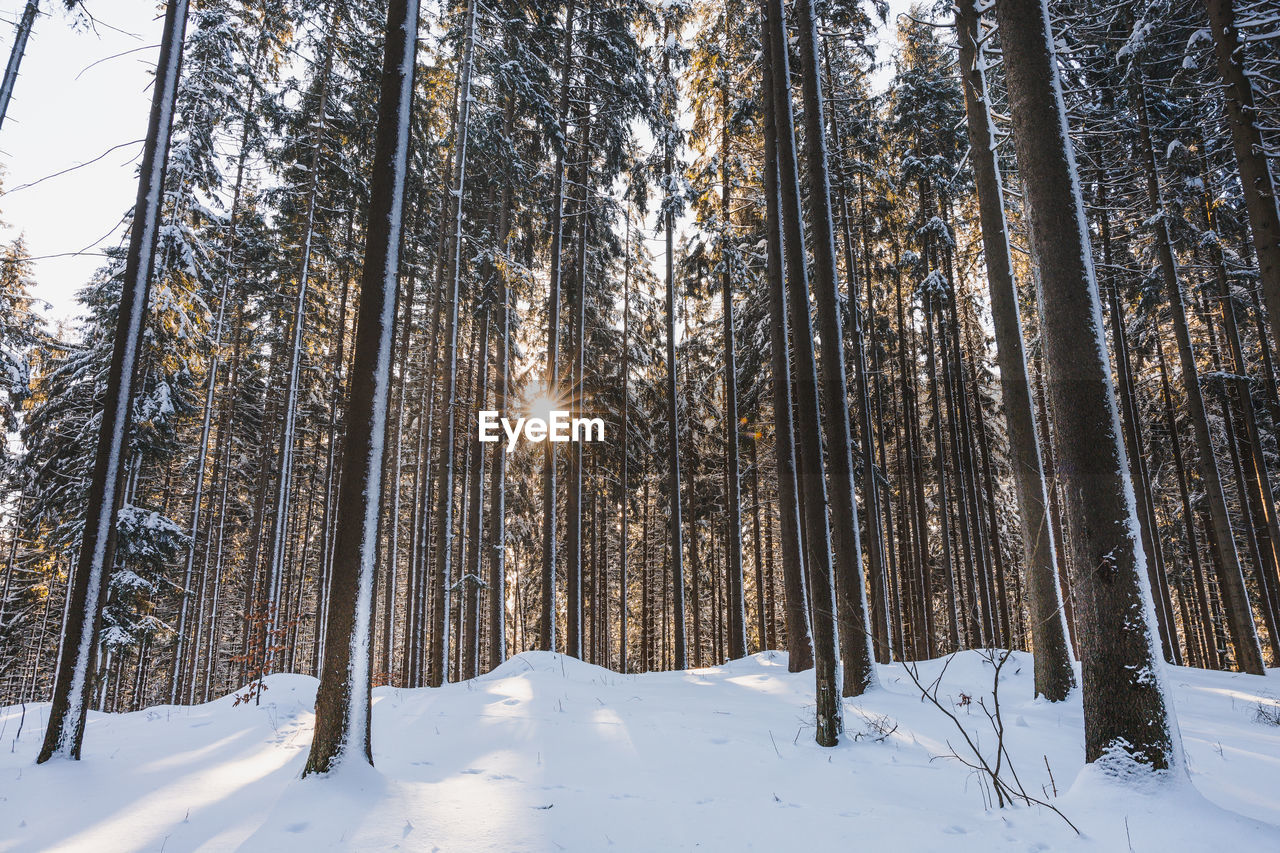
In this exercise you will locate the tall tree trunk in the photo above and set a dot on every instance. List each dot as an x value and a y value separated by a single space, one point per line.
504 305
475 511
1251 154
547 625
851 590
878 630
795 604
444 481
15 55
675 523
1125 708
343 699
733 480
624 490
757 560
1239 614
829 722
574 543
88 585
921 574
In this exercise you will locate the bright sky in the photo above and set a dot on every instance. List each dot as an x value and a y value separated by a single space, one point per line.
63 114
76 99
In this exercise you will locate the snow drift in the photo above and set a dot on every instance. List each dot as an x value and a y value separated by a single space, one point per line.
549 753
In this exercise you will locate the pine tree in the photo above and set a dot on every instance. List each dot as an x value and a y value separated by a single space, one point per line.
1126 710
15 55
89 583
1054 677
343 702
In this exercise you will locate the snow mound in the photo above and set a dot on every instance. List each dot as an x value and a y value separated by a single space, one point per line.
549 753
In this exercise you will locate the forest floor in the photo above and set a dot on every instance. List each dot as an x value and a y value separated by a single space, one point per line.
548 753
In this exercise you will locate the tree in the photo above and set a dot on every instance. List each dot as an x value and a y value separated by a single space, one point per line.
343 700
851 591
1054 676
87 592
15 55
812 475
438 665
1125 707
672 204
1251 152
547 625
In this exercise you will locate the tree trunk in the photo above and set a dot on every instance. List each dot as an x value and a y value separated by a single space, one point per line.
675 528
851 602
757 562
1125 708
547 625
444 481
15 55
502 390
88 586
624 490
1251 154
343 699
1239 614
795 603
574 627
829 722
733 480
876 576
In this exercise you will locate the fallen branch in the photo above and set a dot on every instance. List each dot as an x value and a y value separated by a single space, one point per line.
991 771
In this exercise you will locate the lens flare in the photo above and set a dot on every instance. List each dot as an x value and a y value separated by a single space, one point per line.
541 402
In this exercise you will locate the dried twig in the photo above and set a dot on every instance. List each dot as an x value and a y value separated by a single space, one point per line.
992 772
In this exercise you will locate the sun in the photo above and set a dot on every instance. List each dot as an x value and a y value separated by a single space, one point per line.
542 401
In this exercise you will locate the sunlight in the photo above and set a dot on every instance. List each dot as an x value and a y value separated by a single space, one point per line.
541 401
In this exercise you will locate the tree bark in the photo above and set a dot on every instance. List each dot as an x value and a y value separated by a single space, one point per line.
547 624
817 540
343 702
87 589
502 390
1125 708
1239 614
795 603
675 525
733 480
439 655
851 590
15 55
1251 154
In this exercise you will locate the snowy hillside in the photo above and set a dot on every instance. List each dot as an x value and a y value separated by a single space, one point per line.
548 753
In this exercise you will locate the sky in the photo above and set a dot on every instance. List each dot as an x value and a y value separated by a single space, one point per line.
67 111
81 104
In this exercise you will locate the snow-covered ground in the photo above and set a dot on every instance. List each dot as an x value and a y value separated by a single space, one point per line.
548 753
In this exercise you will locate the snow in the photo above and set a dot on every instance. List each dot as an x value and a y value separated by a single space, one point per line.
549 753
